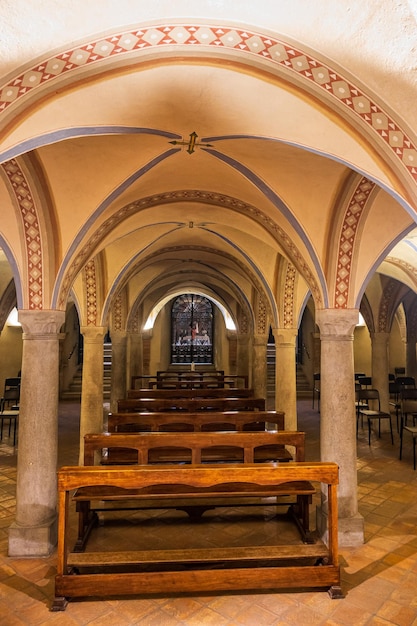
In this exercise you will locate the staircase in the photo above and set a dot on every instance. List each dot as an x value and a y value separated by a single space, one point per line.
74 390
270 370
303 386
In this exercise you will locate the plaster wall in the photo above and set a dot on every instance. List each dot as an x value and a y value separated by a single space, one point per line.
362 350
11 353
396 349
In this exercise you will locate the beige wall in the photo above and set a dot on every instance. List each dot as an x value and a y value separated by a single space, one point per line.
397 349
10 353
362 350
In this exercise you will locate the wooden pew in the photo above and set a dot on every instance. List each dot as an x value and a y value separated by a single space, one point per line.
180 392
190 405
296 566
195 448
167 377
206 420
184 383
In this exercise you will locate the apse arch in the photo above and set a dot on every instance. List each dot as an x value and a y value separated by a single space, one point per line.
226 314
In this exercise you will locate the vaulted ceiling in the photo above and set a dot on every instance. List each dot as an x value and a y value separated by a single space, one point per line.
147 151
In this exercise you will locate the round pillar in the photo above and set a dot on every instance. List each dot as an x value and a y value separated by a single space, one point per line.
411 356
259 369
243 358
285 375
338 417
34 532
380 368
119 368
91 413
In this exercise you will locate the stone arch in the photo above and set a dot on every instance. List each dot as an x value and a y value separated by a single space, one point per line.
76 259
294 62
33 292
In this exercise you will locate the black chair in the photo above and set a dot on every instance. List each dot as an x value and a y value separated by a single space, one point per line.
371 397
394 391
11 393
12 417
359 404
408 409
406 382
365 382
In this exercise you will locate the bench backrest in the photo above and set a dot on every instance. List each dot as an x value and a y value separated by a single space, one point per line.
180 392
192 405
218 377
195 443
228 420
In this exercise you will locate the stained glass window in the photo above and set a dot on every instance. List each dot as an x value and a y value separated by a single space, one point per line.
192 329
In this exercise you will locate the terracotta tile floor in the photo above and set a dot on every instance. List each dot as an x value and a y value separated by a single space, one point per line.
379 578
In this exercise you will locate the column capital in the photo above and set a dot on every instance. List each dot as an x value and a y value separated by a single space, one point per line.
381 337
41 324
285 336
93 334
118 336
260 340
337 324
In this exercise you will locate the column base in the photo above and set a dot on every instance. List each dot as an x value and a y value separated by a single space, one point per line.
32 541
351 530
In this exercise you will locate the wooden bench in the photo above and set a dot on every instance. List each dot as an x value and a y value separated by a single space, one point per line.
184 383
219 377
195 422
145 572
191 448
183 393
190 405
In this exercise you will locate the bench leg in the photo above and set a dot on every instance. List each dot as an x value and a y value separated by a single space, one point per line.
59 604
336 593
195 513
300 514
87 519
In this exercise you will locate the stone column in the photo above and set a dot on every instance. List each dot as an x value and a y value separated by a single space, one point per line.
316 353
285 375
118 368
232 343
34 531
380 368
259 371
411 356
338 418
134 348
91 412
243 358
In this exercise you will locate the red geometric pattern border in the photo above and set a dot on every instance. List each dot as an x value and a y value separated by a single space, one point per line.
31 228
347 241
91 292
292 59
289 287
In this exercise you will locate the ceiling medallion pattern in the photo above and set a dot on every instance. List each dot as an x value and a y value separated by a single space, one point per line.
32 235
347 238
334 84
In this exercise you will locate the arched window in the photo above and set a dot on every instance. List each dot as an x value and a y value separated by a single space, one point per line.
192 329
